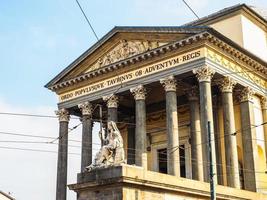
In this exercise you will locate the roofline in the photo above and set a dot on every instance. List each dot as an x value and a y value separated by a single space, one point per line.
223 12
122 29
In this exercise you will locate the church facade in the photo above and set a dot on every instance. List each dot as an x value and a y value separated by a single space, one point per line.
162 86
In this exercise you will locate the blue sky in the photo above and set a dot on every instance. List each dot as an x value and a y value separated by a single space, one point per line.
38 39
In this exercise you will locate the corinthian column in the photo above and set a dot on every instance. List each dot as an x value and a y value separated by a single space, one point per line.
195 134
86 157
248 138
264 117
204 75
226 86
173 157
112 104
139 94
62 159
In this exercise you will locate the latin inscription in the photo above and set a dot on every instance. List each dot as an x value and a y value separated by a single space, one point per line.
128 76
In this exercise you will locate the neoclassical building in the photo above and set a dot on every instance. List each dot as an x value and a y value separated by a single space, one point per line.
162 86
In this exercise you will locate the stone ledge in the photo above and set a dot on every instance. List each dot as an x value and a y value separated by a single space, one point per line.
128 176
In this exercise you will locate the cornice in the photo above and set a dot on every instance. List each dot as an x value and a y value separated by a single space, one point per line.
242 55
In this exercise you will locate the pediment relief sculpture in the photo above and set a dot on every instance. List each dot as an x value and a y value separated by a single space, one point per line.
124 50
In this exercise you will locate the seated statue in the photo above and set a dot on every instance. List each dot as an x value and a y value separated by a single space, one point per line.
112 152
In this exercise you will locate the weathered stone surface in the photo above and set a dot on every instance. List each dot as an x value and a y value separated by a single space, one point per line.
62 162
134 183
195 134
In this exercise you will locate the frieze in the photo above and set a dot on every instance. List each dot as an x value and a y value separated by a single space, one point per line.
134 74
234 67
124 50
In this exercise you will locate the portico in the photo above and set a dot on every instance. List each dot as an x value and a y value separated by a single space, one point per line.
160 93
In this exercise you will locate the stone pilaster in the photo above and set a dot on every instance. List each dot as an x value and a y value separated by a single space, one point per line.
195 134
264 117
204 75
86 156
139 94
226 86
112 104
248 138
62 160
169 85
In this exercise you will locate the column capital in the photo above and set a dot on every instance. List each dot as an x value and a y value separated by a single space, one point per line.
63 115
111 100
226 84
169 84
139 92
246 94
192 93
204 73
86 108
264 103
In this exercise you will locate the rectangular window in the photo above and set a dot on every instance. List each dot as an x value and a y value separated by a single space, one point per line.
163 164
162 160
182 161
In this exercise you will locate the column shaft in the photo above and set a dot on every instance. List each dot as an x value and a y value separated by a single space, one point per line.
248 139
206 115
218 140
112 114
62 162
140 134
112 104
195 135
172 134
230 141
264 119
87 146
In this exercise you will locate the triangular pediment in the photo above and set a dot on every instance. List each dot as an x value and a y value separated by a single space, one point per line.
122 43
124 49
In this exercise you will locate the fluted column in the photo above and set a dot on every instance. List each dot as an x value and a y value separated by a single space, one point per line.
62 160
248 138
226 86
139 94
195 134
86 156
264 117
112 104
173 158
204 75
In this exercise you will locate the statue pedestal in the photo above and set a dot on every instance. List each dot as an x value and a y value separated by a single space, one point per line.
127 182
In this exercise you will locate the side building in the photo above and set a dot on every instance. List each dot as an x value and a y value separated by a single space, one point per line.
162 86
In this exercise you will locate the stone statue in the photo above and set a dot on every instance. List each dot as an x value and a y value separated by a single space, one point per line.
112 152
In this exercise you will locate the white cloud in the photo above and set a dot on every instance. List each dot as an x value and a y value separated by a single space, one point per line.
32 175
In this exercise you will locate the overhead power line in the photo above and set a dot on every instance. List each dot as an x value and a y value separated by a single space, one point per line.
32 115
191 9
87 20
33 150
